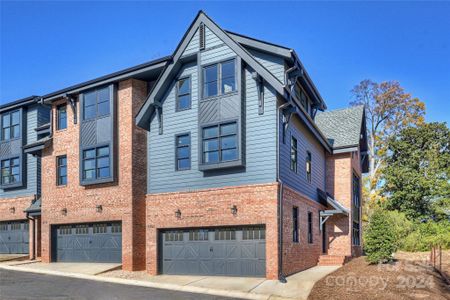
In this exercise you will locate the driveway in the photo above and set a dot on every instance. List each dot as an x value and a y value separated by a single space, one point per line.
9 257
22 285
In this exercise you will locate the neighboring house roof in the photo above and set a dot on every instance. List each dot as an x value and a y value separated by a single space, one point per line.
18 103
119 75
342 127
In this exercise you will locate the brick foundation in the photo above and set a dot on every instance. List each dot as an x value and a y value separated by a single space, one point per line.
256 204
123 200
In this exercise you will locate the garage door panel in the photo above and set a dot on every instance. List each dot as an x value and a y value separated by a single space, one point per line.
222 251
98 242
14 237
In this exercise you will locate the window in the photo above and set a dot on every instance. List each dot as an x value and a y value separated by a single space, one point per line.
253 233
294 154
220 143
183 152
100 228
219 79
225 234
295 224
65 230
310 228
308 166
62 170
16 225
356 208
184 94
3 226
173 236
198 235
96 163
96 103
62 117
116 228
82 229
10 125
10 171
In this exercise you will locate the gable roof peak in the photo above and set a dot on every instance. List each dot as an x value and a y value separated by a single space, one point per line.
145 113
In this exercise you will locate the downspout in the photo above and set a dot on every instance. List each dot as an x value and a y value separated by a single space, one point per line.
281 276
33 255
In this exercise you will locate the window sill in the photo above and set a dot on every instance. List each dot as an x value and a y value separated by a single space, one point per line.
96 181
11 185
222 165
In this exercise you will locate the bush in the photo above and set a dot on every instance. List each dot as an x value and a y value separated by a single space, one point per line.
426 234
381 237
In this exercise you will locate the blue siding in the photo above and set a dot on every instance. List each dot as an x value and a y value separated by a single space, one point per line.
34 115
305 142
260 131
273 63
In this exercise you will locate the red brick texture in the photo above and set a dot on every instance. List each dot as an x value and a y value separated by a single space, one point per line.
302 255
340 170
256 204
19 204
123 200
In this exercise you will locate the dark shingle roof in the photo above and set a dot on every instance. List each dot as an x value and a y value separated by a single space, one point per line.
342 127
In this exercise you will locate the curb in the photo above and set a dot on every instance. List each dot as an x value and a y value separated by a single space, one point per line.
165 286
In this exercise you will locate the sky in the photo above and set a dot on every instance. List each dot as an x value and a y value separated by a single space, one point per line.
46 46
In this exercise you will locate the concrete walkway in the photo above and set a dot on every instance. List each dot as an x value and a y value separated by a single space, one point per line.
10 257
298 286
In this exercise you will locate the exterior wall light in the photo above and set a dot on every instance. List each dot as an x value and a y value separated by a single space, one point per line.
64 211
99 208
234 209
178 213
12 210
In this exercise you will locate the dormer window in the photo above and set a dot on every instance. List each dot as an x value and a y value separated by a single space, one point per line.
10 125
219 79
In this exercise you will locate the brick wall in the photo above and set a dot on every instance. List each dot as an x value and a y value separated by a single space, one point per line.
256 204
340 170
339 184
302 255
118 199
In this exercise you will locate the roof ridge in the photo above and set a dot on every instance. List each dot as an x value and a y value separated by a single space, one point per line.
341 109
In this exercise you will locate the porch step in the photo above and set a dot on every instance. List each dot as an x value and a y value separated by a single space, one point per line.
332 260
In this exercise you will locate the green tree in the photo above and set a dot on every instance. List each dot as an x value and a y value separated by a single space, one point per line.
417 173
389 109
380 237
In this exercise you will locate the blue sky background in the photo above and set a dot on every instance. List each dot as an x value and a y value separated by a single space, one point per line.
46 46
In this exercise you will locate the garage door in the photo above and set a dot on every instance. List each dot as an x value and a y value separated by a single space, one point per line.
98 242
14 237
216 251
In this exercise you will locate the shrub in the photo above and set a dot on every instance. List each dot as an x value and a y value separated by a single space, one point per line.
381 237
426 234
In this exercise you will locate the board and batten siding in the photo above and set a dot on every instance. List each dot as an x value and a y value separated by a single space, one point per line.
30 187
305 142
259 132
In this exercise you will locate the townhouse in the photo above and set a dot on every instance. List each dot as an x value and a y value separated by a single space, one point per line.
21 124
220 159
